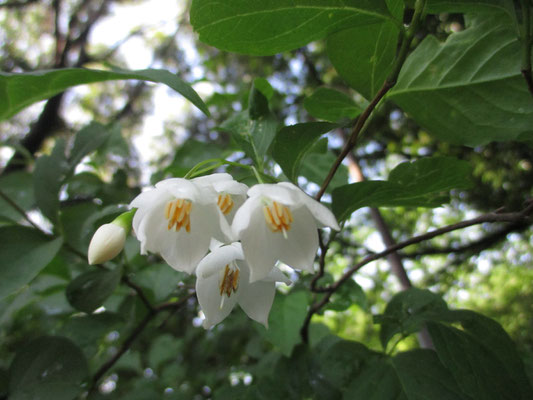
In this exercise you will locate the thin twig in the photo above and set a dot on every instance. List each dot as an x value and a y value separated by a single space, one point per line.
405 41
133 335
491 217
19 210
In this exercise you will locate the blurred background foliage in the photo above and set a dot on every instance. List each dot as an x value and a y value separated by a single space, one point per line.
155 134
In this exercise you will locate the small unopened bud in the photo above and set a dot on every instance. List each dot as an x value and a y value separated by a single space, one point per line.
107 242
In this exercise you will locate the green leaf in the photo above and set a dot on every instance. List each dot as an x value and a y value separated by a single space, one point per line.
48 368
413 375
468 6
89 290
341 360
270 27
331 105
364 56
315 167
347 295
469 89
423 183
293 142
475 368
263 131
259 95
18 186
408 311
87 140
19 90
285 320
48 176
24 253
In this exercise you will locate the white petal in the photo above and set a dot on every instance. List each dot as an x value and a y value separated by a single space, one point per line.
276 192
300 248
208 293
242 218
256 298
319 211
208 180
277 276
182 189
217 260
238 201
232 187
260 245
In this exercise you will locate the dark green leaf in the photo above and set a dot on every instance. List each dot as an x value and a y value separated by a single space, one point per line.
89 291
315 167
24 253
331 105
266 28
21 90
48 368
414 375
285 320
347 295
476 369
469 89
423 183
468 6
88 140
363 56
408 311
263 131
258 102
18 186
48 177
293 142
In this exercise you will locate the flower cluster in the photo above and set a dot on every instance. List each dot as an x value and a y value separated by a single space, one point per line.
248 230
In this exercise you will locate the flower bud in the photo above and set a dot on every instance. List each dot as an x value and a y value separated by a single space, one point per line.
107 242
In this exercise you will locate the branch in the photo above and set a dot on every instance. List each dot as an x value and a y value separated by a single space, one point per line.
133 335
17 4
405 44
491 217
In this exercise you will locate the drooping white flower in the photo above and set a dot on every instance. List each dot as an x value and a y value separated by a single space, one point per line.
279 222
223 281
177 219
230 193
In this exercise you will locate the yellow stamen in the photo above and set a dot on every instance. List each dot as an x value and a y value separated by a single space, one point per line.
278 217
229 283
178 214
225 203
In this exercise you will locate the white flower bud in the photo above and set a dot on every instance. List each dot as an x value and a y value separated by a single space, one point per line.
107 242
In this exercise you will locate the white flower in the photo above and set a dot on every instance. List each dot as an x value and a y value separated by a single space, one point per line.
230 193
106 243
223 281
279 222
177 219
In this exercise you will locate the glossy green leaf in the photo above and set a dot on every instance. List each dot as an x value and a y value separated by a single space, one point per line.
293 142
87 140
468 6
331 105
48 177
469 89
270 27
423 183
89 290
262 131
48 368
19 90
347 295
315 167
364 56
259 95
24 253
408 311
285 320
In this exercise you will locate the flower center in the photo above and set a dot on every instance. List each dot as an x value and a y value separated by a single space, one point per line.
229 283
225 203
178 212
278 217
